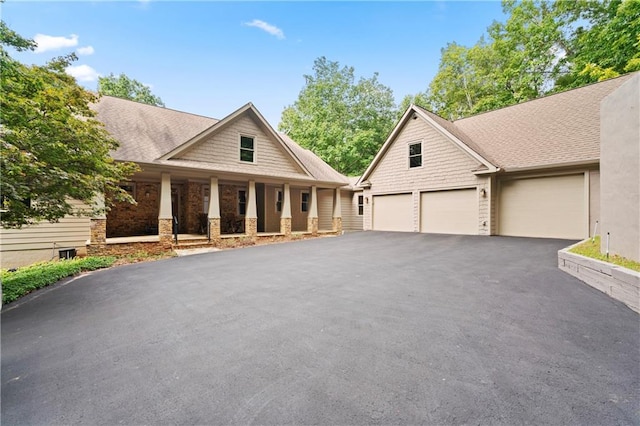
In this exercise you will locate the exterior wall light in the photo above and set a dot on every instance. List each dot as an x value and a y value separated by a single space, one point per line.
483 193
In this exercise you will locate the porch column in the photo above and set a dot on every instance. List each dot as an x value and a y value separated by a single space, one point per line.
165 217
214 209
99 223
337 212
312 217
251 216
285 216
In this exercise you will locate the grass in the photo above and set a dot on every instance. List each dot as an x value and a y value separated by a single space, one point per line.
592 249
22 281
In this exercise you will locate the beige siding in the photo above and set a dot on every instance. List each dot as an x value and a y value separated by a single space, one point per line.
351 221
325 209
444 166
223 149
594 200
39 242
298 217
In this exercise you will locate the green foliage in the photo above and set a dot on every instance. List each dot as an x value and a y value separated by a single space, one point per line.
591 248
543 46
52 148
343 121
127 88
24 280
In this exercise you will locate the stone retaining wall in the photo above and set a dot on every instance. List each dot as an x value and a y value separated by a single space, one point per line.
620 283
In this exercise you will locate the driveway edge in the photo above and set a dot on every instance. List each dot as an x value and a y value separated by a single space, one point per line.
616 281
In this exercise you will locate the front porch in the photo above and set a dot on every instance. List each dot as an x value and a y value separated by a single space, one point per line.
180 212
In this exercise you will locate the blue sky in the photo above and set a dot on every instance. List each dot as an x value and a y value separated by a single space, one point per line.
211 58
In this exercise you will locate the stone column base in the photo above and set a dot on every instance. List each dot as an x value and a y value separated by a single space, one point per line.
337 225
312 225
99 232
165 232
214 228
251 226
285 226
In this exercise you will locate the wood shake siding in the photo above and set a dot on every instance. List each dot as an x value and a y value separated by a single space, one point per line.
43 240
351 221
222 148
444 166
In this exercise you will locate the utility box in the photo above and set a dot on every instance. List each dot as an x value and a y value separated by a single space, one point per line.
67 253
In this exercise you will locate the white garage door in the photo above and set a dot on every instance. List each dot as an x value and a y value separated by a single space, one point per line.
393 212
449 212
551 207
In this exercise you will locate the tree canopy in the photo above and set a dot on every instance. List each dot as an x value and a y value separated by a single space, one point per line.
542 47
342 120
52 147
127 88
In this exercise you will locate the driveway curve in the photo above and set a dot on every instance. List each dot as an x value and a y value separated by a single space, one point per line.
366 328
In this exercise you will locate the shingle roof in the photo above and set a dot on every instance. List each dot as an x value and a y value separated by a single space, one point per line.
556 129
147 132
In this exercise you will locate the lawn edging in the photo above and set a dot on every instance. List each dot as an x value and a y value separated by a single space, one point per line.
618 282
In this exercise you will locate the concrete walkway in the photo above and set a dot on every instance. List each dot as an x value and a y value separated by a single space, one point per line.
367 328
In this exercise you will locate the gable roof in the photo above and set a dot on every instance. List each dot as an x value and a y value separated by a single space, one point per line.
558 129
150 134
446 128
555 130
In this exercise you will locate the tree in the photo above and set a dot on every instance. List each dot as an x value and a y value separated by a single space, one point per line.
542 47
52 148
127 88
343 121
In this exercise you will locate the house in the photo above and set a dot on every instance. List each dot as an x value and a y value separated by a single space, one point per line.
530 170
203 178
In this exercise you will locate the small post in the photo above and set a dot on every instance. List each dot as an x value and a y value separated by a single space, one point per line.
175 229
595 231
608 244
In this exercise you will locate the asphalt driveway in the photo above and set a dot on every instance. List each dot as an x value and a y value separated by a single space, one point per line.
367 328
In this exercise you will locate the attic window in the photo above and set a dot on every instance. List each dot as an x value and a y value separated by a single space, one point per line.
247 151
415 155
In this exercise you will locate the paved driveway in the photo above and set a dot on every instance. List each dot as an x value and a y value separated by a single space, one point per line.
368 328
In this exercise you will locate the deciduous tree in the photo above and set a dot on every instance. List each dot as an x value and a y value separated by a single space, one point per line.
127 88
52 147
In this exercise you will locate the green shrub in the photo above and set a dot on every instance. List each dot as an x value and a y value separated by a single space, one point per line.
24 280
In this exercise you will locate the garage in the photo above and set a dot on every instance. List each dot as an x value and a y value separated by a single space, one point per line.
546 207
393 212
449 212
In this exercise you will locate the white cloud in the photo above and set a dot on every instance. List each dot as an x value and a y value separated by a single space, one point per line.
82 72
265 26
47 42
87 50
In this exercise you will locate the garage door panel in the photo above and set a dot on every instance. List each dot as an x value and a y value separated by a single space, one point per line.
393 212
547 207
449 212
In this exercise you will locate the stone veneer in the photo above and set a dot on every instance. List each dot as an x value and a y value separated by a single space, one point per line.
251 226
98 232
337 225
312 225
285 226
165 231
214 228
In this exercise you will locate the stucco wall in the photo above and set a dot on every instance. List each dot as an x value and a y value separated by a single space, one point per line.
444 166
620 169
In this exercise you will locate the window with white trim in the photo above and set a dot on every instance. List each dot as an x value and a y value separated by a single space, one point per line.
279 200
360 205
304 202
415 155
247 149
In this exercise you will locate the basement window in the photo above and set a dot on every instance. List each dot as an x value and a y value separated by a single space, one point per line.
247 149
415 155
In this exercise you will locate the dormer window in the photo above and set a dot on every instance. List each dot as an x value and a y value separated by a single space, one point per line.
247 149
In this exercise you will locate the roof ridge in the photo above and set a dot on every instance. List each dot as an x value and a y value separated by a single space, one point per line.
160 107
545 96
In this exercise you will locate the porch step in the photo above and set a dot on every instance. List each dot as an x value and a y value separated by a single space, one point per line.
191 244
